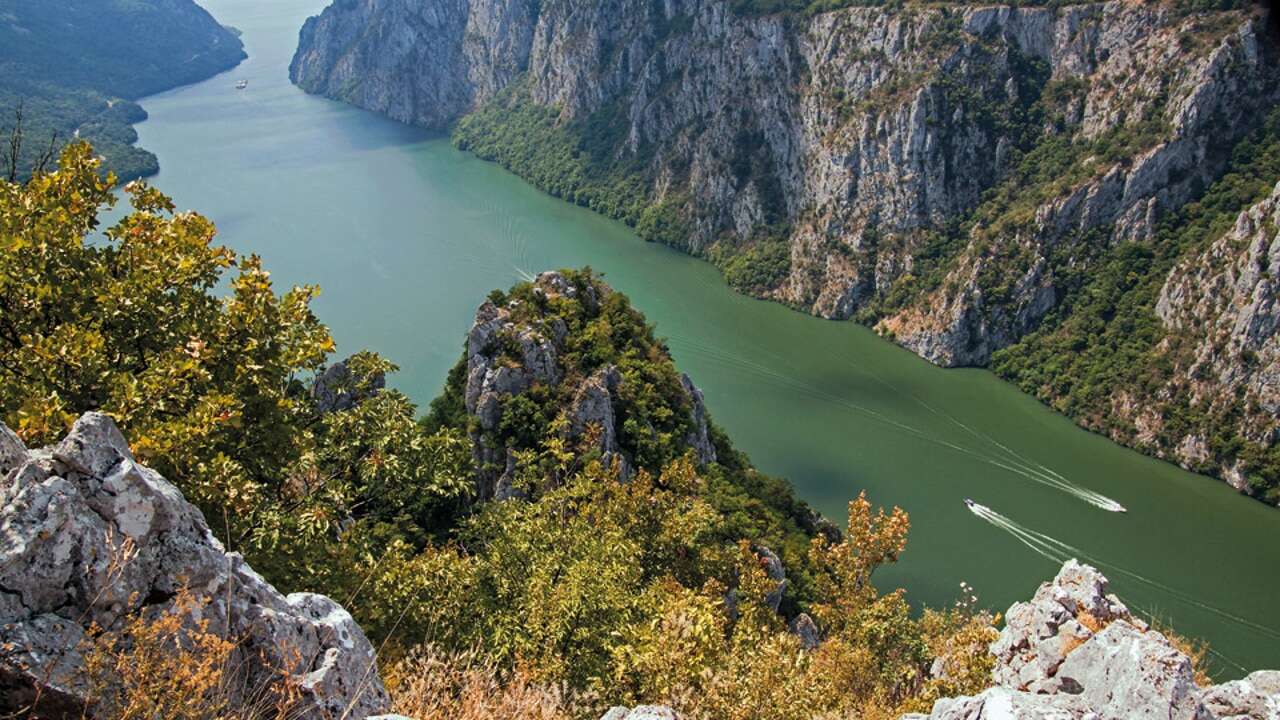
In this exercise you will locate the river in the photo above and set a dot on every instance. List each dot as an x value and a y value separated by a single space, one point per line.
406 235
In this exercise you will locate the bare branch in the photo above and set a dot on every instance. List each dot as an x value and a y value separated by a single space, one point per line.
15 142
46 157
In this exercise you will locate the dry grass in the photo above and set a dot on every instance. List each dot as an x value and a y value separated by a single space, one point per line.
169 666
1196 650
432 685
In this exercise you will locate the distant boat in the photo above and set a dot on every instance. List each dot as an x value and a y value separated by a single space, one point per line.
969 503
242 84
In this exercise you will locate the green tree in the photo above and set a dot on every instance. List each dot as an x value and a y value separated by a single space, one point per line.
205 368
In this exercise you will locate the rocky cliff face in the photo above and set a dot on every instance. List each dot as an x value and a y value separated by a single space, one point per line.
1074 652
944 173
512 351
1221 309
89 538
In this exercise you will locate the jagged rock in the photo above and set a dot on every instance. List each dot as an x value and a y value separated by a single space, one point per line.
88 536
806 629
1123 672
773 568
1001 703
592 412
1050 665
1257 697
1037 633
338 388
642 712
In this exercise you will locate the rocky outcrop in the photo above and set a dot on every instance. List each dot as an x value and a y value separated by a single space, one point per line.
89 538
509 354
1074 652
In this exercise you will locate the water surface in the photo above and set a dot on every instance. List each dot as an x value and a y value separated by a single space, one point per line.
406 236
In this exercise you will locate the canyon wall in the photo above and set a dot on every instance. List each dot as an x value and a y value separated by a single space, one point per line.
956 176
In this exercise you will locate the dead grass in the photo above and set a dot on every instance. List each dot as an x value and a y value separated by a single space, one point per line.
432 685
170 666
1196 650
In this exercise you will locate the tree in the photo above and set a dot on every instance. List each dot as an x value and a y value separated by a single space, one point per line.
203 365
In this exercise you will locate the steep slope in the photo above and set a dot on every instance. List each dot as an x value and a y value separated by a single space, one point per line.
73 62
947 173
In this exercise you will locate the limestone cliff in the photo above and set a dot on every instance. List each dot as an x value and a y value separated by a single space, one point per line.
90 538
946 173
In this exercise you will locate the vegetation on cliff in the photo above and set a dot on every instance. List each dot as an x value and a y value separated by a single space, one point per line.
1105 335
657 588
73 66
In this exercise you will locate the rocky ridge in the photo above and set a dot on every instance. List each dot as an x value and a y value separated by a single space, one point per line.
941 172
89 538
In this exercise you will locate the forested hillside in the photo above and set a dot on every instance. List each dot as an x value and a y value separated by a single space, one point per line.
75 66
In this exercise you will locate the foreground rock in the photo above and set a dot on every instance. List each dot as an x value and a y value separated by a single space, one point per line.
1074 652
88 538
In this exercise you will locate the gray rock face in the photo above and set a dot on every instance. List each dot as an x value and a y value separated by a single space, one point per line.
806 629
699 439
775 571
592 413
12 451
89 536
1074 652
507 357
1256 697
1223 308
1125 672
479 46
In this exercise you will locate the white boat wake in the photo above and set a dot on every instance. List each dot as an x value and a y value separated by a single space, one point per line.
1059 552
1002 457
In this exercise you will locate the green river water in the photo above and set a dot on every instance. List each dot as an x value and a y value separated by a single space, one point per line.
406 235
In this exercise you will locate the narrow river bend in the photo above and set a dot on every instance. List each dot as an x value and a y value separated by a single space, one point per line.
406 235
